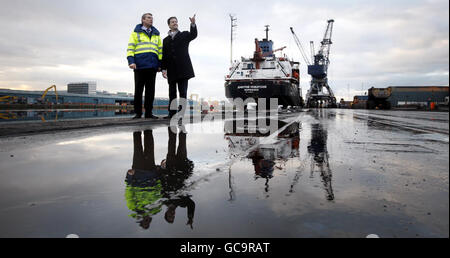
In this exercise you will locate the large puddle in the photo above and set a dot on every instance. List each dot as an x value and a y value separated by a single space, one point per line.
327 173
44 115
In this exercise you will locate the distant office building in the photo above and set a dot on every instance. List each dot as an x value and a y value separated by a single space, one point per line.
82 87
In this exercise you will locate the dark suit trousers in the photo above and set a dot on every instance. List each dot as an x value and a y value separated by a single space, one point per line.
143 158
144 78
182 89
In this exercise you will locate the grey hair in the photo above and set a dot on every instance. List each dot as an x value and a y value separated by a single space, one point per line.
143 16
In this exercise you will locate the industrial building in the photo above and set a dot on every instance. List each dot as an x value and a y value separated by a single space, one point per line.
34 97
360 102
82 87
420 96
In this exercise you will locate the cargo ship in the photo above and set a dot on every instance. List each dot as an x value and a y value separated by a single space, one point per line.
265 76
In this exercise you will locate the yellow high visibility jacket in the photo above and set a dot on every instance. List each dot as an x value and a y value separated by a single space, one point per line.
145 50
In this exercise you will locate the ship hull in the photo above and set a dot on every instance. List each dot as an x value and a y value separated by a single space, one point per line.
287 92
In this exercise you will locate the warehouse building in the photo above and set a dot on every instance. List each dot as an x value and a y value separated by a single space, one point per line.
359 102
420 96
35 97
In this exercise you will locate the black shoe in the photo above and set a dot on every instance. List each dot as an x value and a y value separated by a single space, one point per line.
151 117
166 117
137 116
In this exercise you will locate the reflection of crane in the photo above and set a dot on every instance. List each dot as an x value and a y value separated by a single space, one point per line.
43 119
319 69
8 98
7 116
46 91
319 161
230 186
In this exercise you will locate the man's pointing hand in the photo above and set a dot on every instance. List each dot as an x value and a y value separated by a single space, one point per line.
192 19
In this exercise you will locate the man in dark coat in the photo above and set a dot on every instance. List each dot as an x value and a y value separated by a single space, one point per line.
176 63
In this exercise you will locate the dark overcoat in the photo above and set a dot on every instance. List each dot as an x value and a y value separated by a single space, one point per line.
176 59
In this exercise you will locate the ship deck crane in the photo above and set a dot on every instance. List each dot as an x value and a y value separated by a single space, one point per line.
276 50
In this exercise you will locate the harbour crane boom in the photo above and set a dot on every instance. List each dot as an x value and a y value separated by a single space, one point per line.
299 44
322 57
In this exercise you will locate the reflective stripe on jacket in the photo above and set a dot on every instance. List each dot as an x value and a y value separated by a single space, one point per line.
144 50
143 201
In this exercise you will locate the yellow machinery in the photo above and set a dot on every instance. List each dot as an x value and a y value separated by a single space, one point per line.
8 98
7 116
46 91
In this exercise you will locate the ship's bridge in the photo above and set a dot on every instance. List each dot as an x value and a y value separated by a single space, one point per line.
271 68
266 47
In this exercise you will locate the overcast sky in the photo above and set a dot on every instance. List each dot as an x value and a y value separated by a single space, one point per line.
375 43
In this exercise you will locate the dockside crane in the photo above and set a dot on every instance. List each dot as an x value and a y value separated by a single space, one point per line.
300 47
319 70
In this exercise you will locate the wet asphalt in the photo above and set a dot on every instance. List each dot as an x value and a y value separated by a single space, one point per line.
318 173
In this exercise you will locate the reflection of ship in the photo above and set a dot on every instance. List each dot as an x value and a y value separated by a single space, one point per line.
244 138
319 162
244 141
265 76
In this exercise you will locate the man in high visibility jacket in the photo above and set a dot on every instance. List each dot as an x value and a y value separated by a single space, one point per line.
144 54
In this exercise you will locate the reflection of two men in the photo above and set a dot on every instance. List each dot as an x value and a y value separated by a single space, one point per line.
183 201
149 186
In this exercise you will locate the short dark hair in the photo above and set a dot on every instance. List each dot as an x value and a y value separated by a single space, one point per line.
168 20
143 16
